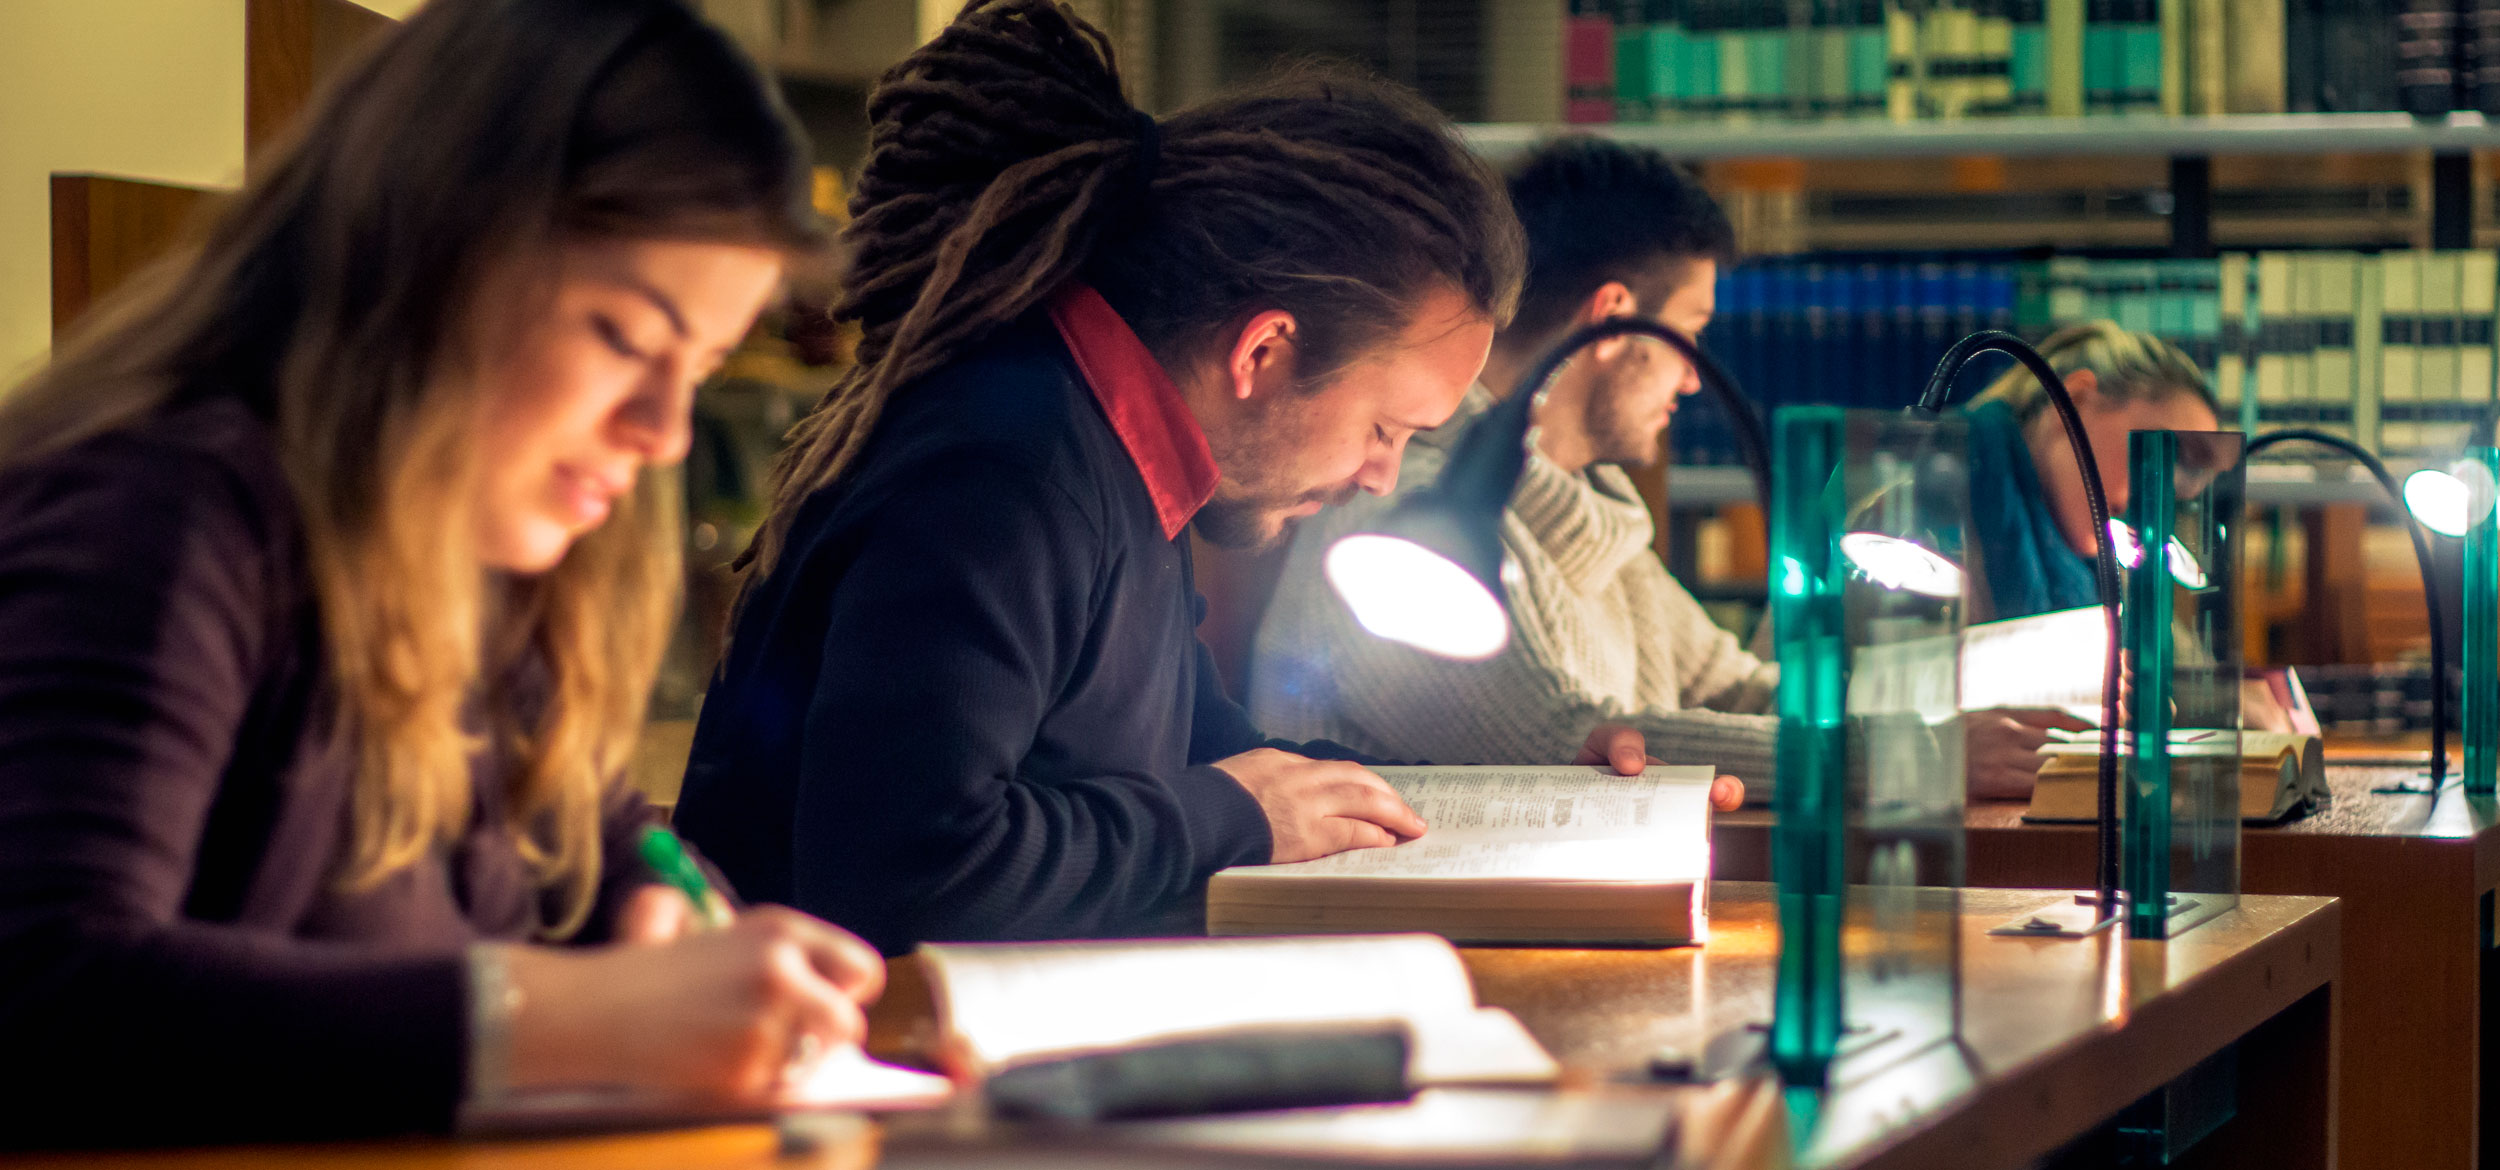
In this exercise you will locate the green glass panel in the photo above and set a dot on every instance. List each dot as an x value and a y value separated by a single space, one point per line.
2482 628
1807 586
1907 488
1868 604
2180 626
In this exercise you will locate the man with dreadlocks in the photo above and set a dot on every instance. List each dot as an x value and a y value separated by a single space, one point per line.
963 696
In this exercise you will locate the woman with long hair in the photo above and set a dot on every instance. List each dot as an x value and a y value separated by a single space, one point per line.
2031 526
334 574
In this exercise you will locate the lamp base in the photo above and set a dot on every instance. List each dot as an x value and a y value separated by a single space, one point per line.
2081 918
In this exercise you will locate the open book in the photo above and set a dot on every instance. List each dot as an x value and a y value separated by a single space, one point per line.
2281 774
845 1080
1006 1004
2045 660
1511 855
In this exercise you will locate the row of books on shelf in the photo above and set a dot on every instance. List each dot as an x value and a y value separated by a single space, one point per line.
1908 60
2392 350
2364 699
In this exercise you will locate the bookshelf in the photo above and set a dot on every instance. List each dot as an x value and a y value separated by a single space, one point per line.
2019 137
1705 487
2189 144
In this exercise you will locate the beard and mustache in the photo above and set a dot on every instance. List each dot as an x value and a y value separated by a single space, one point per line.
1255 521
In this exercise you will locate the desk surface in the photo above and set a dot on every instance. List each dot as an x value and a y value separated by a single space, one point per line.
2412 871
2058 1036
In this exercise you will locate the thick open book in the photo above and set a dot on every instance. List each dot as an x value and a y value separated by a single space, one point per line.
2281 775
1510 855
1001 1005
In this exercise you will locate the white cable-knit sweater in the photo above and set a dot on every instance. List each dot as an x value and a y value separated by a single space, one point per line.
1599 633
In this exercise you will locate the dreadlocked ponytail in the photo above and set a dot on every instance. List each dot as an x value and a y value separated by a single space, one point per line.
1004 161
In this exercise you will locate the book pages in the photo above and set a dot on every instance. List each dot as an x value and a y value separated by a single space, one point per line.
1009 1002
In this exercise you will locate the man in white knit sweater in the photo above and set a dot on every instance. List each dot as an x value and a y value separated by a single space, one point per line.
1600 633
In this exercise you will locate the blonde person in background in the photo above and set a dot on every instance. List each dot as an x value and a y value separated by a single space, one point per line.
2031 526
1600 632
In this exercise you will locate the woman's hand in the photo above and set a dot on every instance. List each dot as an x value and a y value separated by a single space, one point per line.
654 914
717 1015
2001 748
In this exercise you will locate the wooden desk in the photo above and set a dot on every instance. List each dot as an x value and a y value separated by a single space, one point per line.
2416 878
2058 1037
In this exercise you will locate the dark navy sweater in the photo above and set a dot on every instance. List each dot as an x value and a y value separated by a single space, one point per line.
968 701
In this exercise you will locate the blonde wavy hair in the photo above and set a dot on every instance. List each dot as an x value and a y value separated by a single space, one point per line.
2129 367
350 292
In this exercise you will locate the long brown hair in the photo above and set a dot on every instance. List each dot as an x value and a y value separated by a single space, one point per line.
347 294
1004 161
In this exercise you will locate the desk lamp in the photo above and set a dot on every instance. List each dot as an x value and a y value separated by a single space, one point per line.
2459 503
2104 572
2431 491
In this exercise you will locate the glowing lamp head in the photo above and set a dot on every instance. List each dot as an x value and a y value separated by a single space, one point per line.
2130 549
1903 565
2449 502
1404 592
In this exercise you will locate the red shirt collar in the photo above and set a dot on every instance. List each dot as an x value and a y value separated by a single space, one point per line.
1146 410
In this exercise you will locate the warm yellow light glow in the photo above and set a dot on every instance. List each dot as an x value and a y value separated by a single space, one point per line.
1404 592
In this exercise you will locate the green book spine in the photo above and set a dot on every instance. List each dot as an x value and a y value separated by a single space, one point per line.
1870 60
1632 72
2031 300
1831 58
2029 63
2231 354
1767 63
2062 65
1704 91
1800 53
1669 64
2104 58
2141 69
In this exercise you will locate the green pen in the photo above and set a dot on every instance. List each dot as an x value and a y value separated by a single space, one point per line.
666 855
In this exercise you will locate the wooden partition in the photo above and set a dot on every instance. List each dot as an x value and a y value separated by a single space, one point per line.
104 229
289 48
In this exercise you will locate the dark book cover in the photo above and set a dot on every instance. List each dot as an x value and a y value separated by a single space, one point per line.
2303 66
2485 32
2426 75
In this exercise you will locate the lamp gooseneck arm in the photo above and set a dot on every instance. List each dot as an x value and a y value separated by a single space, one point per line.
2104 564
2422 556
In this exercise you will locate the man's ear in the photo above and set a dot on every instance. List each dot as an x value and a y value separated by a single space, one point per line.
1262 357
1612 299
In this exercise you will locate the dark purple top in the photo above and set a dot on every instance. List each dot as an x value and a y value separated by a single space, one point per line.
177 959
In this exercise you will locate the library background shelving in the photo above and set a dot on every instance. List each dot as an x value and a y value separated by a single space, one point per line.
1796 187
